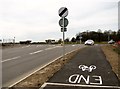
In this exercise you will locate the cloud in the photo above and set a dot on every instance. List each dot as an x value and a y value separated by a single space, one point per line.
38 19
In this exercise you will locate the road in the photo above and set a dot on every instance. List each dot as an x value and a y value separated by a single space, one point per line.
89 69
18 63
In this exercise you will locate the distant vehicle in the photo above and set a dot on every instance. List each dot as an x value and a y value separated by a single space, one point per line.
89 42
111 42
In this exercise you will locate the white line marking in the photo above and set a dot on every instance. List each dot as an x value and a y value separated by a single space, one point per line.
36 52
73 45
38 45
52 48
40 68
11 59
26 46
43 86
79 85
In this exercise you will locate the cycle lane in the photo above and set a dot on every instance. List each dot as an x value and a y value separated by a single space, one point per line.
89 69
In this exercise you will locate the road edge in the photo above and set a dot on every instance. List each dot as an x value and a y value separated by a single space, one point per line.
58 58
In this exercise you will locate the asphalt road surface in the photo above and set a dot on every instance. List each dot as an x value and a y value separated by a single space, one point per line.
89 69
18 63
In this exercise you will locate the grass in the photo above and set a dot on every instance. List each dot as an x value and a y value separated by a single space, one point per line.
112 54
117 50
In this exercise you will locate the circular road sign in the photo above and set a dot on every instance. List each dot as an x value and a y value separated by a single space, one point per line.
65 22
63 12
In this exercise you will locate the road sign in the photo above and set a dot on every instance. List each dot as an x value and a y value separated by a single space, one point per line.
65 22
63 12
65 29
81 37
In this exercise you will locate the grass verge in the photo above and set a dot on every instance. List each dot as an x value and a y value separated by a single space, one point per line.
113 56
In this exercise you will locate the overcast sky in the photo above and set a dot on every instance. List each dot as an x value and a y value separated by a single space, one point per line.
37 20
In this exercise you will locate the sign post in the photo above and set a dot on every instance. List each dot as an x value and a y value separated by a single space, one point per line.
63 12
63 40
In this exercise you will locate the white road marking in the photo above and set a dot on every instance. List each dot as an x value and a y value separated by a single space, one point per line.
40 68
43 86
87 68
73 45
78 85
79 78
26 46
52 48
36 52
38 45
23 47
11 59
35 71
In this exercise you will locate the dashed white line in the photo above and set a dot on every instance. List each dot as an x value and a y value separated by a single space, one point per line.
36 52
73 45
52 48
38 45
11 59
40 68
26 46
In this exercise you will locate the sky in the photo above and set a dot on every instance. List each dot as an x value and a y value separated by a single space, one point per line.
37 20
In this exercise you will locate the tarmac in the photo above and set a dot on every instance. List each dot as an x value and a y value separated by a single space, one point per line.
89 69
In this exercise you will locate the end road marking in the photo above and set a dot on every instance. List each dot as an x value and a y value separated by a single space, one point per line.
11 59
78 85
78 78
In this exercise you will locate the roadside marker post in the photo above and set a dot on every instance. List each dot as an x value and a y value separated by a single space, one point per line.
63 22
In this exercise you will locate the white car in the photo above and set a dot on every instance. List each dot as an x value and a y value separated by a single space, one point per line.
89 42
111 42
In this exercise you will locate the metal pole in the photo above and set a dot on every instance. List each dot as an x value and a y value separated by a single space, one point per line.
14 41
108 37
80 39
63 39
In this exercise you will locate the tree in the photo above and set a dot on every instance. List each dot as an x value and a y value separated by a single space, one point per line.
99 35
118 32
60 41
67 40
73 39
118 35
78 36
